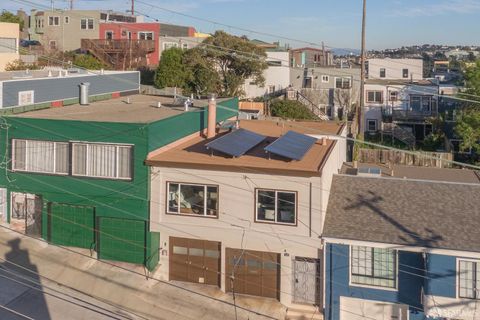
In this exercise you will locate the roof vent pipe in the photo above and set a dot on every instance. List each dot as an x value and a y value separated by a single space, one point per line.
212 116
84 86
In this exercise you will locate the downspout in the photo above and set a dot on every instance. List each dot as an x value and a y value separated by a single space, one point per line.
310 212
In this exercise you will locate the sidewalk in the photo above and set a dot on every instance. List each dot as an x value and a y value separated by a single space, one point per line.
107 290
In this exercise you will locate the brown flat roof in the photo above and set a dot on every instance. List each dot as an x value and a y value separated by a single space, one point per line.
194 154
421 173
141 109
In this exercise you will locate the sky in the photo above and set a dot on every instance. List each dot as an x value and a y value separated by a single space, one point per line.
337 23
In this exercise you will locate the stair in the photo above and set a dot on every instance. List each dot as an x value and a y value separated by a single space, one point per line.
303 314
315 109
399 133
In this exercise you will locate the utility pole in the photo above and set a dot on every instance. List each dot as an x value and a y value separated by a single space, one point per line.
71 4
133 7
361 109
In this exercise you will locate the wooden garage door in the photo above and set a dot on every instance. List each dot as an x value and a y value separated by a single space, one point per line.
195 260
359 309
256 273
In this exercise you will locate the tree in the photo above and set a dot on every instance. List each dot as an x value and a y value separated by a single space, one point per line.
468 126
7 16
171 71
88 62
240 61
290 109
201 76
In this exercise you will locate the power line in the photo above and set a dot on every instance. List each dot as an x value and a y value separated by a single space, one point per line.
16 312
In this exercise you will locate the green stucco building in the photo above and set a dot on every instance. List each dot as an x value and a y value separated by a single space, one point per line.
75 175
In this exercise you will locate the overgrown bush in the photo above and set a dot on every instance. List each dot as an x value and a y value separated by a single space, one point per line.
289 109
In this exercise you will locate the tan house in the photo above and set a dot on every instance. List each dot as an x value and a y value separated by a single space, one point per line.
248 223
9 35
63 30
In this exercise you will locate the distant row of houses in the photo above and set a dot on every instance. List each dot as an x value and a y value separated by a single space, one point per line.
199 196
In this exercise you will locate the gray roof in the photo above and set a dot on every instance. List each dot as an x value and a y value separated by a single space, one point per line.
420 173
404 212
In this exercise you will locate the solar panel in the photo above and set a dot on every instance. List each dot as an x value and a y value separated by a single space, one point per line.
236 143
292 145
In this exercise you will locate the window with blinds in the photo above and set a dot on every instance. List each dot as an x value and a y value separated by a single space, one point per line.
40 156
102 160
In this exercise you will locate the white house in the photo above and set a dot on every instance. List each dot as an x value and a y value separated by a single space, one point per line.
398 100
251 222
277 75
395 69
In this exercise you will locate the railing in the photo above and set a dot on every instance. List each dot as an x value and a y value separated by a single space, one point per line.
402 114
315 109
121 45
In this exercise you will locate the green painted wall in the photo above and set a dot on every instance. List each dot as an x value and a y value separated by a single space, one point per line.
110 198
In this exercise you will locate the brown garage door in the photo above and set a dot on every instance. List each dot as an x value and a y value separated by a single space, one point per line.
256 273
194 260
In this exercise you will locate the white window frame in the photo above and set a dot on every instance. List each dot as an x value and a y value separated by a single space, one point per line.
325 78
27 92
457 279
375 93
87 167
276 207
368 125
87 20
383 73
205 209
343 81
144 33
353 284
35 170
51 21
169 45
393 93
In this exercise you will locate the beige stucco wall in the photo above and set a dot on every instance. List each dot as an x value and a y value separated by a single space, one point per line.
236 226
9 30
67 35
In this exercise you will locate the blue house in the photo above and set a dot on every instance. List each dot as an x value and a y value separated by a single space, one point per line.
399 248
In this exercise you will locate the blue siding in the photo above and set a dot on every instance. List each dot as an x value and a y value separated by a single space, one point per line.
441 275
53 89
410 282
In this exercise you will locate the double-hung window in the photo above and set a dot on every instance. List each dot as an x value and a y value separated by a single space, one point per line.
102 160
40 156
192 199
86 24
325 78
373 267
276 206
405 73
469 279
143 35
53 21
383 72
343 83
375 96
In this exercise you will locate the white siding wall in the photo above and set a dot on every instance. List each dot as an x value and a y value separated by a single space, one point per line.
236 226
278 76
394 68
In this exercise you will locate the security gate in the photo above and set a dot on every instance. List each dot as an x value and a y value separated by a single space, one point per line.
26 213
70 225
306 282
195 261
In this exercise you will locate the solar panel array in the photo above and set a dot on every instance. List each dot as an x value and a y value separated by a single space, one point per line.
236 143
292 145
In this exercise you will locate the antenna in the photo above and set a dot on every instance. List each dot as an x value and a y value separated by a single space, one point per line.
133 7
71 4
52 4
